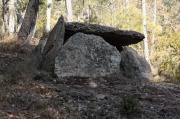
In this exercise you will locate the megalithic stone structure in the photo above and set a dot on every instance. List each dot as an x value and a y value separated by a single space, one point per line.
113 36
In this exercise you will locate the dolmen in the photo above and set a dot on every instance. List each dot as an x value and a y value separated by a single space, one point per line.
92 50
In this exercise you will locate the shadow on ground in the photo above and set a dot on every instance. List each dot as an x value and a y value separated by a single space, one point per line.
27 93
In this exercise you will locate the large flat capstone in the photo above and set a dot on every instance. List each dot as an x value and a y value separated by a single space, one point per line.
114 36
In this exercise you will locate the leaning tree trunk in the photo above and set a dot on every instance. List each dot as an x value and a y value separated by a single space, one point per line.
69 10
26 31
20 16
146 49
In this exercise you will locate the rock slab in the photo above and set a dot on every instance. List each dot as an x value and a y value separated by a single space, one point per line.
53 45
87 56
113 36
133 65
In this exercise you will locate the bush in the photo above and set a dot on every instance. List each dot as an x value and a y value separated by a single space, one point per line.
167 56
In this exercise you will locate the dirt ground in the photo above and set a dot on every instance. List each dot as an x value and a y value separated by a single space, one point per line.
26 93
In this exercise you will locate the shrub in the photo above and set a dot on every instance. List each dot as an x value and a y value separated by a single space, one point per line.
167 56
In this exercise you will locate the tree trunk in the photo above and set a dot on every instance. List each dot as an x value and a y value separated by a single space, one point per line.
9 15
27 29
126 3
146 49
154 20
12 15
2 20
69 10
5 14
20 16
48 15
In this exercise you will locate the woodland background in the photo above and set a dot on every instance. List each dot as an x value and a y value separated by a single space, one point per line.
161 22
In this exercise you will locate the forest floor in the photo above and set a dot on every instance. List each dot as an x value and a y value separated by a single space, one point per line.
26 93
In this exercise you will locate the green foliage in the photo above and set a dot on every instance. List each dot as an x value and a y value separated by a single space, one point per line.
168 55
169 3
22 5
129 19
41 19
40 27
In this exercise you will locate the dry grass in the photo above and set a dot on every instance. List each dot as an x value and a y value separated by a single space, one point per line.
11 43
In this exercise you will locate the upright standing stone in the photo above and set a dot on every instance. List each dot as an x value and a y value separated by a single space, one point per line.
133 65
87 56
53 45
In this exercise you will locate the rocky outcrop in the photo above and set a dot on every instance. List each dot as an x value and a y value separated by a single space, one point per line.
111 35
133 65
53 45
87 56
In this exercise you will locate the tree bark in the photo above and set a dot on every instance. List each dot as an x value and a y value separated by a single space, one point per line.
26 31
48 15
12 14
20 16
2 20
69 10
5 14
9 15
126 3
154 20
144 20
